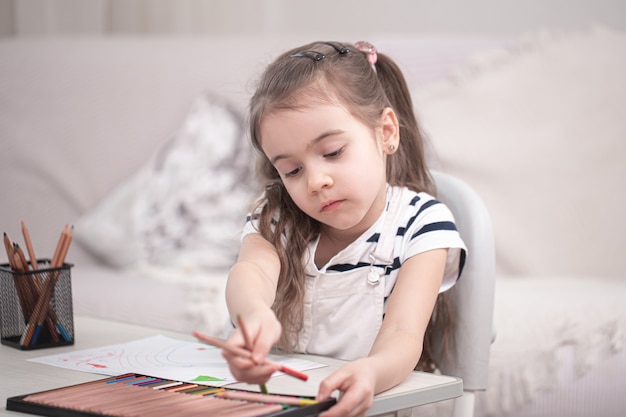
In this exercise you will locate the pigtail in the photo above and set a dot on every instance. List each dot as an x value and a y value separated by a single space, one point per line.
407 167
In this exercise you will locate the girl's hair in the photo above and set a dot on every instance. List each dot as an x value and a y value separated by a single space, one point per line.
325 72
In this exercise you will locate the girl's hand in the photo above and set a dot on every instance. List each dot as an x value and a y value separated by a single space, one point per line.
262 333
356 382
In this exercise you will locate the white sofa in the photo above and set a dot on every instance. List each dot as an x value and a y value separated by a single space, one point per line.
140 144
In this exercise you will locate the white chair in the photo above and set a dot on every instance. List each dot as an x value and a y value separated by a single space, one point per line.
471 299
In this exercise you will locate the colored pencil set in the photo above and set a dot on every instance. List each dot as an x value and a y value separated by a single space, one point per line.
140 395
36 296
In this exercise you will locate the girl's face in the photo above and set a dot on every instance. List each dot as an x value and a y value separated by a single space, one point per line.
332 164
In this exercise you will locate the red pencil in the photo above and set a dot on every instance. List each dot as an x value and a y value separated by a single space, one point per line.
292 372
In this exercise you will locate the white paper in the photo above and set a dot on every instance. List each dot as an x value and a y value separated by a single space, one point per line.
161 357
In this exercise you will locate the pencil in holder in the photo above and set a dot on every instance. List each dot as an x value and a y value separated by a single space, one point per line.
36 306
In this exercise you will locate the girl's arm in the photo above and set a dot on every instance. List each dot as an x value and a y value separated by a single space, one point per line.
250 292
398 345
253 279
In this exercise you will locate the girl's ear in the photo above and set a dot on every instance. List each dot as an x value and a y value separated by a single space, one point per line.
390 131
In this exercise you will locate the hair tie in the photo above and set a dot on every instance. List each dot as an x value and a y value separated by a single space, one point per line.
370 52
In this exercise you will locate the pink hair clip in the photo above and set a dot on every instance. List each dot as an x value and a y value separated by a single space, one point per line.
370 52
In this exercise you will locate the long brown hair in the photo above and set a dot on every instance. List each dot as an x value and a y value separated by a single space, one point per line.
327 72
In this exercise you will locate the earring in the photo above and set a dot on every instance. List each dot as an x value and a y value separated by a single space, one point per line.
392 148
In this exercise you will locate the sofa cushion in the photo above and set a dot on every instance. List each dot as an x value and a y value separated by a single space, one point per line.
537 129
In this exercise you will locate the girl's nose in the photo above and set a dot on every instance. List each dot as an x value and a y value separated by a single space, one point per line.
318 180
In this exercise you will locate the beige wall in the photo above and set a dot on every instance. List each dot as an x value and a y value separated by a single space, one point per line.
363 17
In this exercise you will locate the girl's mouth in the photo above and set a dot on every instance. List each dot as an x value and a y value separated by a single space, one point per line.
330 205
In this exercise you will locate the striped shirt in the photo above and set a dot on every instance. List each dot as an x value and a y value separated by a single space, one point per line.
420 223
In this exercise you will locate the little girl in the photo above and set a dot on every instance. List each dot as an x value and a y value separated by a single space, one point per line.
346 251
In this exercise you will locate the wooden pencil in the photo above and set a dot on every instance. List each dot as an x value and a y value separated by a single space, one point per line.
23 284
64 243
8 247
22 294
34 286
249 346
23 263
29 247
236 350
38 280
265 398
59 247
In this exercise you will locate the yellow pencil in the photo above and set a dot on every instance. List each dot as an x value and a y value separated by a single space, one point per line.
265 398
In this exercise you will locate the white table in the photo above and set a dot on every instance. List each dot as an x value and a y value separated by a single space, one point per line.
19 376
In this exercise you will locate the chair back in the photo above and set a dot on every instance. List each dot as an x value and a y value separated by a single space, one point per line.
472 298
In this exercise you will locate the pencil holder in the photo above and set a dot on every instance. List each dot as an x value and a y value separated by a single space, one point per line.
36 306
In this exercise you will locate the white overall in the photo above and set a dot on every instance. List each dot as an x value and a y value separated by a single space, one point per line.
343 311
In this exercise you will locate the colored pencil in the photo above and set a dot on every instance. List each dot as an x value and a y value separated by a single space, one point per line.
29 247
22 294
265 398
248 342
236 350
38 282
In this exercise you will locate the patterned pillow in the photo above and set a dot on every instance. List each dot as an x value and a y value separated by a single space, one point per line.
187 205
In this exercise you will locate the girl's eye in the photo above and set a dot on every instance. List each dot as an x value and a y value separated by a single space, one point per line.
292 173
335 153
